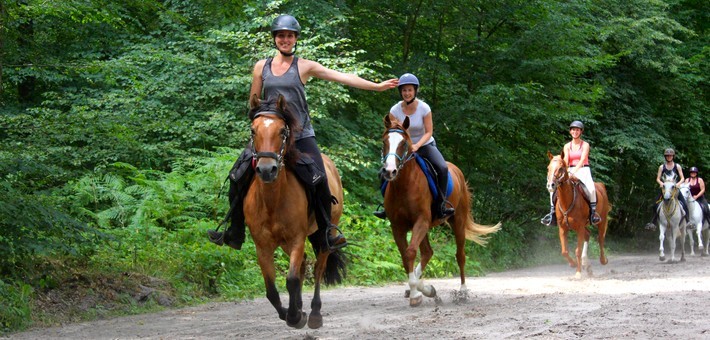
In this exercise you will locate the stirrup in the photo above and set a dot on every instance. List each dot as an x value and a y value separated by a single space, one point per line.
335 242
549 220
216 237
595 218
380 212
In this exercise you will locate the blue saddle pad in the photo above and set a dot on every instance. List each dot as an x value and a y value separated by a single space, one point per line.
429 178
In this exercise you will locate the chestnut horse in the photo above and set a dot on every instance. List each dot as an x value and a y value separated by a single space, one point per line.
277 212
572 211
408 205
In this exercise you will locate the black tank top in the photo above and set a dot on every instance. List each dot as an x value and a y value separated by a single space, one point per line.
290 86
670 172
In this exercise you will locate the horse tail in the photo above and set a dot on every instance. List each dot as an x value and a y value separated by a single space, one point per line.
335 268
474 232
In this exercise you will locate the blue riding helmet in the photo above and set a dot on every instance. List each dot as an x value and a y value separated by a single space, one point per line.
693 169
408 79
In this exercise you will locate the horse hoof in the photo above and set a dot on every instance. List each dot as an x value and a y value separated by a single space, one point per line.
315 321
431 292
406 294
603 260
661 258
578 275
300 323
703 255
415 302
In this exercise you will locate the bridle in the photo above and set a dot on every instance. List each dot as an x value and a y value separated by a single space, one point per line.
560 177
401 158
285 133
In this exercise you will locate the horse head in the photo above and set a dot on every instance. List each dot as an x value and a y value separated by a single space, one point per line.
556 171
395 147
273 126
669 188
684 189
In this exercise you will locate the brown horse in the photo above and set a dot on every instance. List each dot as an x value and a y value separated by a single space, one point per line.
572 211
277 212
408 204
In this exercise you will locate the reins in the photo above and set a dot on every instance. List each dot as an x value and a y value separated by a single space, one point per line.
402 159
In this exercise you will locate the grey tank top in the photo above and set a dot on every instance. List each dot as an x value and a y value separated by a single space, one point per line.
290 86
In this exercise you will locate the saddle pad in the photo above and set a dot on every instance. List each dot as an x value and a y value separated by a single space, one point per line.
429 178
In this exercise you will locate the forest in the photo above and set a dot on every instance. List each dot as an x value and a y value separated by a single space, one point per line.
119 121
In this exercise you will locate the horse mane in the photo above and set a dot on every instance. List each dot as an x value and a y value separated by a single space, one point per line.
279 107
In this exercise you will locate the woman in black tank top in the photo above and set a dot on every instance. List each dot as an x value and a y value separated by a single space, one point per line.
285 74
668 168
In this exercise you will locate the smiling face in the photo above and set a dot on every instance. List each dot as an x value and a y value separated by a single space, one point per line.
408 92
575 132
285 40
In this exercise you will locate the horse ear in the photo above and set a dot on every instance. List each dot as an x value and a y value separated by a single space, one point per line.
405 124
387 120
254 101
562 153
281 103
549 155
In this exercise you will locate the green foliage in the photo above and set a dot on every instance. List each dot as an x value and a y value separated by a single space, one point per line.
16 312
120 120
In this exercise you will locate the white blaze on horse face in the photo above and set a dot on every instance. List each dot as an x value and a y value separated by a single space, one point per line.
390 159
268 121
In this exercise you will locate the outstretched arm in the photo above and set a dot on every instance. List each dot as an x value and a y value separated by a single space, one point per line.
314 69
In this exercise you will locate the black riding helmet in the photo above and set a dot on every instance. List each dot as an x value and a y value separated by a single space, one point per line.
285 22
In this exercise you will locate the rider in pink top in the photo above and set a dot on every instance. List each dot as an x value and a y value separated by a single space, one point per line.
576 154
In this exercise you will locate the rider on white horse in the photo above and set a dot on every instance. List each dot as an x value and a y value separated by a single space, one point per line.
669 169
576 154
697 189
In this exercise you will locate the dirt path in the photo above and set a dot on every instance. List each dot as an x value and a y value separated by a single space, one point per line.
633 297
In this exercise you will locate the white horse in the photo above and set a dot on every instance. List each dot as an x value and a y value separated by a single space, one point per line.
671 219
697 224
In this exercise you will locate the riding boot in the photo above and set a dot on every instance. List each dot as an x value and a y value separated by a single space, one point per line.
654 221
593 215
683 204
239 180
550 219
380 212
324 201
444 208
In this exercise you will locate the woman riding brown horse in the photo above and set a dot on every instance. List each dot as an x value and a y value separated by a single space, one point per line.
408 205
573 212
279 215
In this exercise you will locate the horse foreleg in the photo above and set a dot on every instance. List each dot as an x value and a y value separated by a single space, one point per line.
578 252
295 317
563 244
426 253
692 241
419 232
266 262
400 239
662 239
315 319
682 232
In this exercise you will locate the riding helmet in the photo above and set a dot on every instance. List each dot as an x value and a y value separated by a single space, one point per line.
408 79
577 124
669 152
693 169
285 22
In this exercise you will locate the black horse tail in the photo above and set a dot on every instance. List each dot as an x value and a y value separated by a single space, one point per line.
335 267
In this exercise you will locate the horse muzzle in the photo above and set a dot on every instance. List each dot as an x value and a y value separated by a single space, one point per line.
551 186
388 174
267 169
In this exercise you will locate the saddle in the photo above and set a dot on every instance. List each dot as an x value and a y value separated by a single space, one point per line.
430 174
